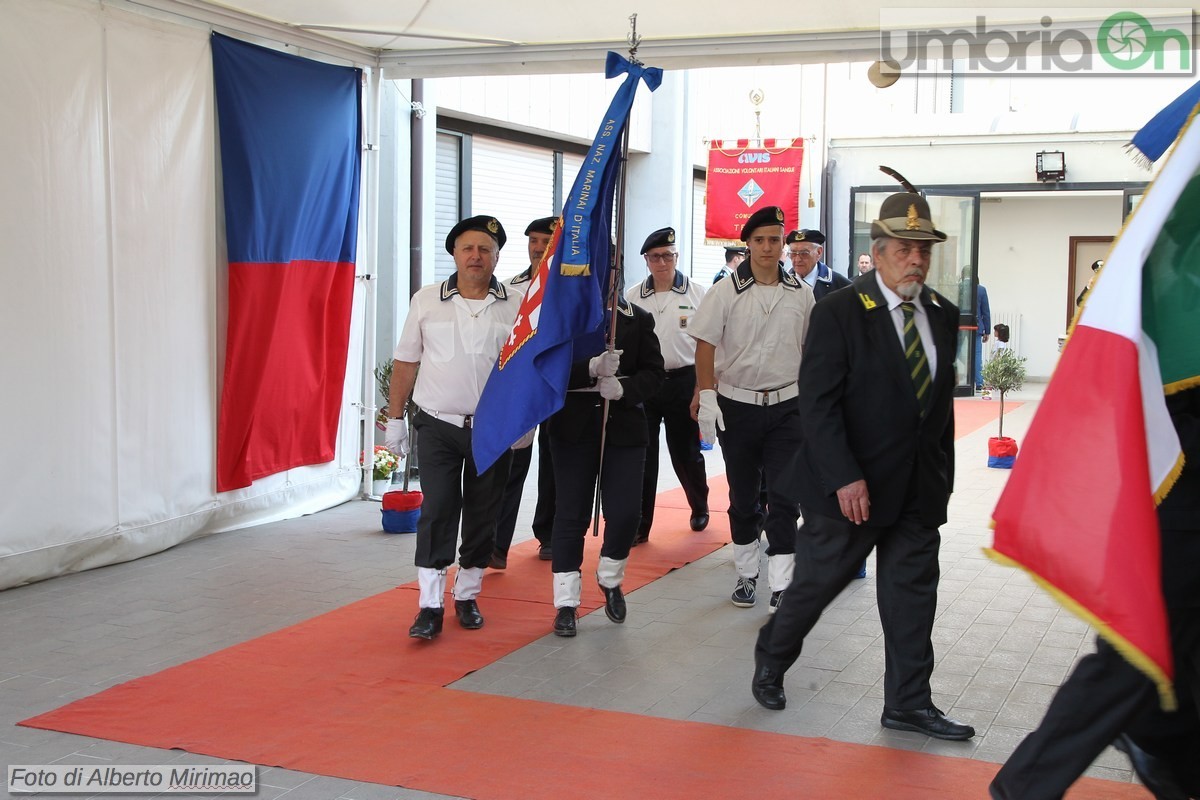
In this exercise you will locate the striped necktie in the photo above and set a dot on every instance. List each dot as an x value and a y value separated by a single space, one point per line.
918 364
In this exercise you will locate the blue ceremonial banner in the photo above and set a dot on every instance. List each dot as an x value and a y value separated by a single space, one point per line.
565 302
1160 132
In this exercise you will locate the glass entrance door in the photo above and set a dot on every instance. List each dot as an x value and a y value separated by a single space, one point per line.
951 272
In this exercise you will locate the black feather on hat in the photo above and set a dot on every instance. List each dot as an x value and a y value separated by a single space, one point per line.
663 237
489 225
768 215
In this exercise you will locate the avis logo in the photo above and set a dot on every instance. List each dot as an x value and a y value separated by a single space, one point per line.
754 158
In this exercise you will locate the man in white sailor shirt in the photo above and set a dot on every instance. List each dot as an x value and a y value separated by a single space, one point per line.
453 332
672 298
749 333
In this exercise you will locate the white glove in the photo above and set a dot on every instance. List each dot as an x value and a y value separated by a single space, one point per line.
611 388
396 436
524 441
709 416
605 364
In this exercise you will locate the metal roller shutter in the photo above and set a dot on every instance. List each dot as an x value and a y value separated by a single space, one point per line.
514 183
446 201
570 169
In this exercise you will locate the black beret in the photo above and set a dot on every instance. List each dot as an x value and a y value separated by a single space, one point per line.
662 237
544 225
806 235
730 252
489 225
770 215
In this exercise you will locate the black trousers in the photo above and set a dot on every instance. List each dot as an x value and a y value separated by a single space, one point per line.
620 499
1106 696
828 554
543 513
758 441
670 407
455 492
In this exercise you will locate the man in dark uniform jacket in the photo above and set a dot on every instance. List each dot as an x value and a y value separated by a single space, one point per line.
539 232
624 377
734 256
804 250
1106 698
876 465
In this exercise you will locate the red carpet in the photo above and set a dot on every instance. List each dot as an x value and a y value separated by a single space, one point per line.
347 694
971 415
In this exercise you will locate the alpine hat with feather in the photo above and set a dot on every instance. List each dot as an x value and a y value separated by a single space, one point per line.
905 215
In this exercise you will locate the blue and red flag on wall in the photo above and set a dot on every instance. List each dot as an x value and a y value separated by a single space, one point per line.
564 307
290 155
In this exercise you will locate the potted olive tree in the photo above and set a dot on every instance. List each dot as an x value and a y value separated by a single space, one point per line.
1005 372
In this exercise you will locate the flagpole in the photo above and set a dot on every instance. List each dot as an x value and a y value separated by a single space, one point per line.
614 273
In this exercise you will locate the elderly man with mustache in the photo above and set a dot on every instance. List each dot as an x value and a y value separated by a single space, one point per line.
876 465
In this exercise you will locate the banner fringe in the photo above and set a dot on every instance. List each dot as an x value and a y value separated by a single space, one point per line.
1178 386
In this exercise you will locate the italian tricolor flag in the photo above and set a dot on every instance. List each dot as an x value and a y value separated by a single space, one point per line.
1078 513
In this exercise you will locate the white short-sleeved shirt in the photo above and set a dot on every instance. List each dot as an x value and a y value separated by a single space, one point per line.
919 317
521 281
758 330
673 311
456 341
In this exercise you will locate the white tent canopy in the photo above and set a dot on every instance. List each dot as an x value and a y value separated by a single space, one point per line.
437 38
112 291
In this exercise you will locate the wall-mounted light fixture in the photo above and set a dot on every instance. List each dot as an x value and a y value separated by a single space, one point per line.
1051 166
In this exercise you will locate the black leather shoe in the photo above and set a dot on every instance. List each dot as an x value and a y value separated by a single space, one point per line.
699 521
544 553
614 604
428 623
468 614
641 538
1155 773
929 721
767 687
564 622
498 560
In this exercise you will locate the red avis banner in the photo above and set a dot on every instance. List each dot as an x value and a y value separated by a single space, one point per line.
743 179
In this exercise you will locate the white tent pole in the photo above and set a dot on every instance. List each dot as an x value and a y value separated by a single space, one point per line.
372 96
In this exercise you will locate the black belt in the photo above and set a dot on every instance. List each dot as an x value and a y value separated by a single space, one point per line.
690 368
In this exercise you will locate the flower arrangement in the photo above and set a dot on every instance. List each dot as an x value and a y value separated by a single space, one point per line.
385 463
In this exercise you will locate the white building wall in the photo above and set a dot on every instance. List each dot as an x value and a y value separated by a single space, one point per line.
1024 259
562 106
967 162
660 185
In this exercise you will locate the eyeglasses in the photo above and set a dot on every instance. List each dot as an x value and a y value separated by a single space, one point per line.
798 253
661 258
